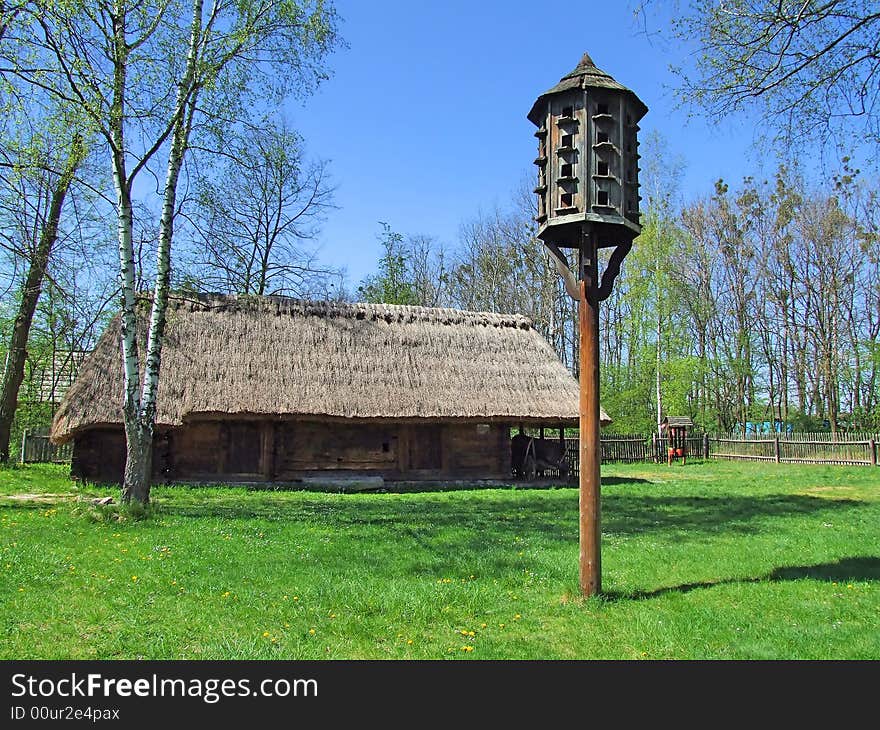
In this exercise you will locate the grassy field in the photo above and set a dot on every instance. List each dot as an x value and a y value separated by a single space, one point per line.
703 561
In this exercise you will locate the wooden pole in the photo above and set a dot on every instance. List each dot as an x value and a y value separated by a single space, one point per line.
590 516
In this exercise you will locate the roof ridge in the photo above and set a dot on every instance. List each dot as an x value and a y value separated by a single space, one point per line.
355 310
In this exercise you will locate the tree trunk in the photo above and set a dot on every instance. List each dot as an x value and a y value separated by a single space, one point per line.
138 463
13 372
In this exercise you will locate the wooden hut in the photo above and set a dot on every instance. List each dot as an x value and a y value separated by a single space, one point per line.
272 389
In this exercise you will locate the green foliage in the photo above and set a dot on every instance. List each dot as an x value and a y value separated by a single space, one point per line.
392 284
704 561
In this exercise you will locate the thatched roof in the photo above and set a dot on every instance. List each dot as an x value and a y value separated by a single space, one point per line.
278 356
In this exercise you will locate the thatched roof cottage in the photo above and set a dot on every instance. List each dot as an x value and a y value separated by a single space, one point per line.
275 389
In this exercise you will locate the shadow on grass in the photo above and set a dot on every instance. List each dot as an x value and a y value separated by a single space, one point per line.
492 515
861 568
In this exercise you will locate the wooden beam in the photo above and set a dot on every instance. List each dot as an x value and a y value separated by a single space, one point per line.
590 516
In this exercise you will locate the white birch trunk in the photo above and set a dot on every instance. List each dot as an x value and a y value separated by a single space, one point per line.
140 412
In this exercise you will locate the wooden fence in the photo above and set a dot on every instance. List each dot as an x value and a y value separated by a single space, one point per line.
36 447
798 448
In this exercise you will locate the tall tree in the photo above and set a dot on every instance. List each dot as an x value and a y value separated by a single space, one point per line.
811 66
255 215
148 76
38 192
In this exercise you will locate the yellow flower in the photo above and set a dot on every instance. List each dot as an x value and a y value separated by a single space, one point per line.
483 626
265 634
134 577
517 617
467 648
312 632
409 641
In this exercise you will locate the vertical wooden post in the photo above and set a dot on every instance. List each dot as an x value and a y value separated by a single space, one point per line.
873 446
267 451
589 497
776 448
21 457
706 446
654 446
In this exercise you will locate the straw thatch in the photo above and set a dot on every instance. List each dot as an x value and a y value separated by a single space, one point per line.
278 356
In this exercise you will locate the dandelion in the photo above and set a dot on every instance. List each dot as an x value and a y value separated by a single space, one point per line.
226 594
312 632
409 641
265 634
296 598
517 617
467 648
134 578
483 626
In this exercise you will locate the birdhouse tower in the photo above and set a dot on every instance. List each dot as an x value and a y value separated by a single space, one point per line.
588 159
588 198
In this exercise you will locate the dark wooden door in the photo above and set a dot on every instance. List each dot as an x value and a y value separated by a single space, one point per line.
243 448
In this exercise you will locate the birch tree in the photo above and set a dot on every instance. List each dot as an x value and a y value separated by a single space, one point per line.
150 77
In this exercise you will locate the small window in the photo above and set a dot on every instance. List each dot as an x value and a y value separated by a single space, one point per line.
567 140
601 109
602 197
602 168
567 170
566 200
601 137
568 112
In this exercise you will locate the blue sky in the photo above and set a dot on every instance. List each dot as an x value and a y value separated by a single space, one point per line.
424 119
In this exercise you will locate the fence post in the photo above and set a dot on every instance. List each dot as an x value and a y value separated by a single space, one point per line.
776 448
23 445
873 446
705 445
654 447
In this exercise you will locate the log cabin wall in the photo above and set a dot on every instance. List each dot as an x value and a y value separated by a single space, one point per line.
284 450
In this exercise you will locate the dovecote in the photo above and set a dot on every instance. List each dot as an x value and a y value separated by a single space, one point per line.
588 159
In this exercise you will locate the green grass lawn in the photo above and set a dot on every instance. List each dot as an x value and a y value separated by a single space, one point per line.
703 561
